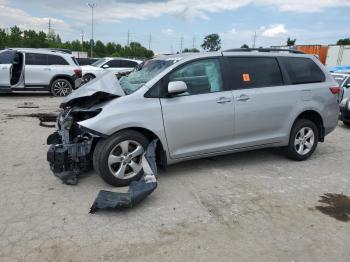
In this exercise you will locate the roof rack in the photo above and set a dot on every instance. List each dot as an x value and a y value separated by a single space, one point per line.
264 50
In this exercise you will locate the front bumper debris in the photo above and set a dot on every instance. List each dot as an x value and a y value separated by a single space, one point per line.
138 190
69 153
68 161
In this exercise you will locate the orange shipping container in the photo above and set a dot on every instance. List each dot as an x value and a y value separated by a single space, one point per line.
319 50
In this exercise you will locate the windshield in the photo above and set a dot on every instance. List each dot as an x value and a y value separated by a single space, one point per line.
99 62
144 73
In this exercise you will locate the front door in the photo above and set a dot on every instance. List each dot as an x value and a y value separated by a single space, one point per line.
6 64
199 121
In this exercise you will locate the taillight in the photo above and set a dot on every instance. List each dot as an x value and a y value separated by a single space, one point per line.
78 72
335 90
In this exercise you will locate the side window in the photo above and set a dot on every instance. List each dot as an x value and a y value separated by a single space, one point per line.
253 72
7 57
127 63
56 60
113 63
36 59
302 70
201 77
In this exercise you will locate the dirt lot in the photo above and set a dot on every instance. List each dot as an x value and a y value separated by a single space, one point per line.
253 206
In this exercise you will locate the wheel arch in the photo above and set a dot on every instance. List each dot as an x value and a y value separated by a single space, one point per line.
316 118
66 77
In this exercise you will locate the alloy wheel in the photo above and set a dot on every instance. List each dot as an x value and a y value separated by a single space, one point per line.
304 141
124 160
61 88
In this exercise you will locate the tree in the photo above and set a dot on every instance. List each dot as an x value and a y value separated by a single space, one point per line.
3 38
190 50
345 41
212 43
34 39
245 46
291 42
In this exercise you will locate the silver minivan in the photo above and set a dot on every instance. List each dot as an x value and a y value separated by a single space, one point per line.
196 105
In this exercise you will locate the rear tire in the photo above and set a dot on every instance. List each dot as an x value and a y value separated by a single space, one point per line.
61 87
113 161
303 140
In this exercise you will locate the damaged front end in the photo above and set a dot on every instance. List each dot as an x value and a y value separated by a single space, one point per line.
71 145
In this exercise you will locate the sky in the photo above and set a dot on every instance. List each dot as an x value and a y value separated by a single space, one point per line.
168 25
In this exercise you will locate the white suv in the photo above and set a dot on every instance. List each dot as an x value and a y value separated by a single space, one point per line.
39 70
116 65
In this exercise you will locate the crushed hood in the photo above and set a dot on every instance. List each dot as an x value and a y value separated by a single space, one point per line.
101 88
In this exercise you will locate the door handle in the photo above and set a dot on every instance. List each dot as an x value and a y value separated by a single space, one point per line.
243 98
4 67
47 69
223 100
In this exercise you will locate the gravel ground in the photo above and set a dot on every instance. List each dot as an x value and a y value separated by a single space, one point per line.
252 206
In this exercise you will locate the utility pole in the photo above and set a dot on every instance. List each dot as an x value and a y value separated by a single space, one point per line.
254 39
92 6
128 42
181 43
149 41
82 41
194 42
49 33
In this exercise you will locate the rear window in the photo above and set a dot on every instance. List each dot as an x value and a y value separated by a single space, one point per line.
253 72
75 60
302 70
56 60
36 59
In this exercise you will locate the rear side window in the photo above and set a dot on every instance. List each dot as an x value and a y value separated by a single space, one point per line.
302 70
113 63
56 60
126 63
36 59
253 72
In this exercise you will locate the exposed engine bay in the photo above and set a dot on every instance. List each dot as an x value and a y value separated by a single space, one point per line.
71 145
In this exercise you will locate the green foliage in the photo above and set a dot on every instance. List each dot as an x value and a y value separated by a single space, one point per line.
345 41
190 50
212 43
291 42
245 46
15 37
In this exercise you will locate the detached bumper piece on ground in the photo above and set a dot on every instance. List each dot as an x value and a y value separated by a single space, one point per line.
138 190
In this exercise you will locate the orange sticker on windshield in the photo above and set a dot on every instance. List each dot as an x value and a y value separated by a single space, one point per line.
246 77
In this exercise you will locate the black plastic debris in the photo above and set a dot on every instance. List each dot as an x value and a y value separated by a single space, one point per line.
138 190
68 177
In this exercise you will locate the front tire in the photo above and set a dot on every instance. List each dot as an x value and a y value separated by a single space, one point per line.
88 77
303 140
61 87
118 159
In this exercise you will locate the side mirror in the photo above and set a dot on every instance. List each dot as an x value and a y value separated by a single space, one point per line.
177 87
105 66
